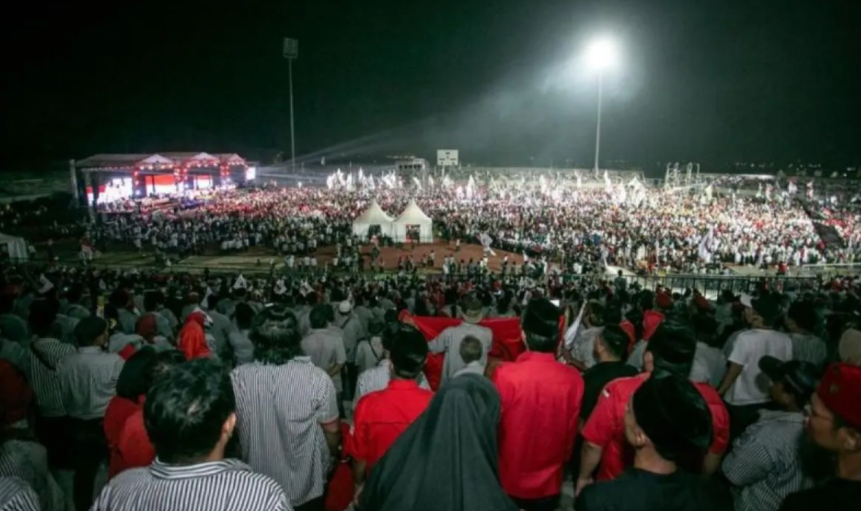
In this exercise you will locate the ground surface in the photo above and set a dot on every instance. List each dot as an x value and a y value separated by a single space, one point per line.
260 257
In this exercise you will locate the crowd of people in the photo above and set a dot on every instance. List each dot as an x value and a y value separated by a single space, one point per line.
677 232
226 392
577 227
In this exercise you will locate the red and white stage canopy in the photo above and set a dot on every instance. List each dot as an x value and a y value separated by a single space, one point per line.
131 162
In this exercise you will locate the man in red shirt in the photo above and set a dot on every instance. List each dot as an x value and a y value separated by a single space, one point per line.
671 349
541 401
382 416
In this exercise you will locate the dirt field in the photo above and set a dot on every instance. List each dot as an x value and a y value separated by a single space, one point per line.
260 257
390 255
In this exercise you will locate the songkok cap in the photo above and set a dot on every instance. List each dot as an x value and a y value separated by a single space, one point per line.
541 318
673 414
89 328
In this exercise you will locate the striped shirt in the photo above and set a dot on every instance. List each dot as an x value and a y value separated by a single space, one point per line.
227 485
279 410
808 348
16 495
378 378
764 464
88 381
29 461
45 384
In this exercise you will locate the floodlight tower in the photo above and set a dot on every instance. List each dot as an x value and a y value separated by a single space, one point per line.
601 55
291 53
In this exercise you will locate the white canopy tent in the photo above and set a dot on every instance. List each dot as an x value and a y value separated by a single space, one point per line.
15 247
413 218
374 215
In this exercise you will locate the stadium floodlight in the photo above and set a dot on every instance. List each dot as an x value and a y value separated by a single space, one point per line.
602 54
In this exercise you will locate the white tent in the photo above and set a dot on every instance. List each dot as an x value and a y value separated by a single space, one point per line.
15 247
374 215
413 217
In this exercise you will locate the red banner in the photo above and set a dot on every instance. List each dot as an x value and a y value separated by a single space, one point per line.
507 340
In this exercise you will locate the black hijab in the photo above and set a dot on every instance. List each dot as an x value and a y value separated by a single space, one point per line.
447 460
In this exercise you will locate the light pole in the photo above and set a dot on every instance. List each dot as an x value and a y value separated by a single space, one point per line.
601 55
291 53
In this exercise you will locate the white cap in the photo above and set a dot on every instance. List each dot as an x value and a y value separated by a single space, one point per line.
345 307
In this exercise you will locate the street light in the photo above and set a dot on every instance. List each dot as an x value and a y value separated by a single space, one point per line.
601 55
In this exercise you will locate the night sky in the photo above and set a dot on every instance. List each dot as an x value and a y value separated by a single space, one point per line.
706 80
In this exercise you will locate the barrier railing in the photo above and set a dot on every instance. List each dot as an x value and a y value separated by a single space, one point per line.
710 285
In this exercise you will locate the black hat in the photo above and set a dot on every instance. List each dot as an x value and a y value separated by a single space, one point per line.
541 318
673 345
89 328
804 315
408 349
801 378
674 415
766 306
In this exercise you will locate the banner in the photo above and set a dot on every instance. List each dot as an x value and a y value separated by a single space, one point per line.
506 346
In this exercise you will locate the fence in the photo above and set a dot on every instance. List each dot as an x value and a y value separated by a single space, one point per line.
710 285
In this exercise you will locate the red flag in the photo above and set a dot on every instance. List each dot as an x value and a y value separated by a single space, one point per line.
507 340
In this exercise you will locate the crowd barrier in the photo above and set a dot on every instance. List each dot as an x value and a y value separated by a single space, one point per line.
710 285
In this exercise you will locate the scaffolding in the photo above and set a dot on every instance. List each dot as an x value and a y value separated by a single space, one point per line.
676 177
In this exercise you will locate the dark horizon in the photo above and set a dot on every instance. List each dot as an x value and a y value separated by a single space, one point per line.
768 81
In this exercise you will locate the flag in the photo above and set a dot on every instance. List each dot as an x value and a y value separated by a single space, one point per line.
45 285
507 343
240 283
705 247
571 333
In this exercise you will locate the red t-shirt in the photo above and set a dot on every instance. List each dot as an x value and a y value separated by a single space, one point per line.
541 401
382 416
134 448
606 426
116 414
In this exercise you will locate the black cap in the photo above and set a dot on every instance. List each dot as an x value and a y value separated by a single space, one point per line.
408 349
541 318
804 315
89 328
674 415
767 307
802 378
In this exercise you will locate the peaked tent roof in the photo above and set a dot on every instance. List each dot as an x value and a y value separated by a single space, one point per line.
373 215
413 213
122 161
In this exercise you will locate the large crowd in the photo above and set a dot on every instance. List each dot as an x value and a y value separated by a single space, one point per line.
226 392
152 389
577 227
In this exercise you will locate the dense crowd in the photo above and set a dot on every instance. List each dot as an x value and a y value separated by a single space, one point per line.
461 393
577 227
677 232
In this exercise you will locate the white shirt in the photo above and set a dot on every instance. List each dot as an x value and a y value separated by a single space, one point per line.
751 386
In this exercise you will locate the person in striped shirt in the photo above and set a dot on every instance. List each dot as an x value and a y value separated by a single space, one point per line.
190 416
16 495
46 353
287 412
